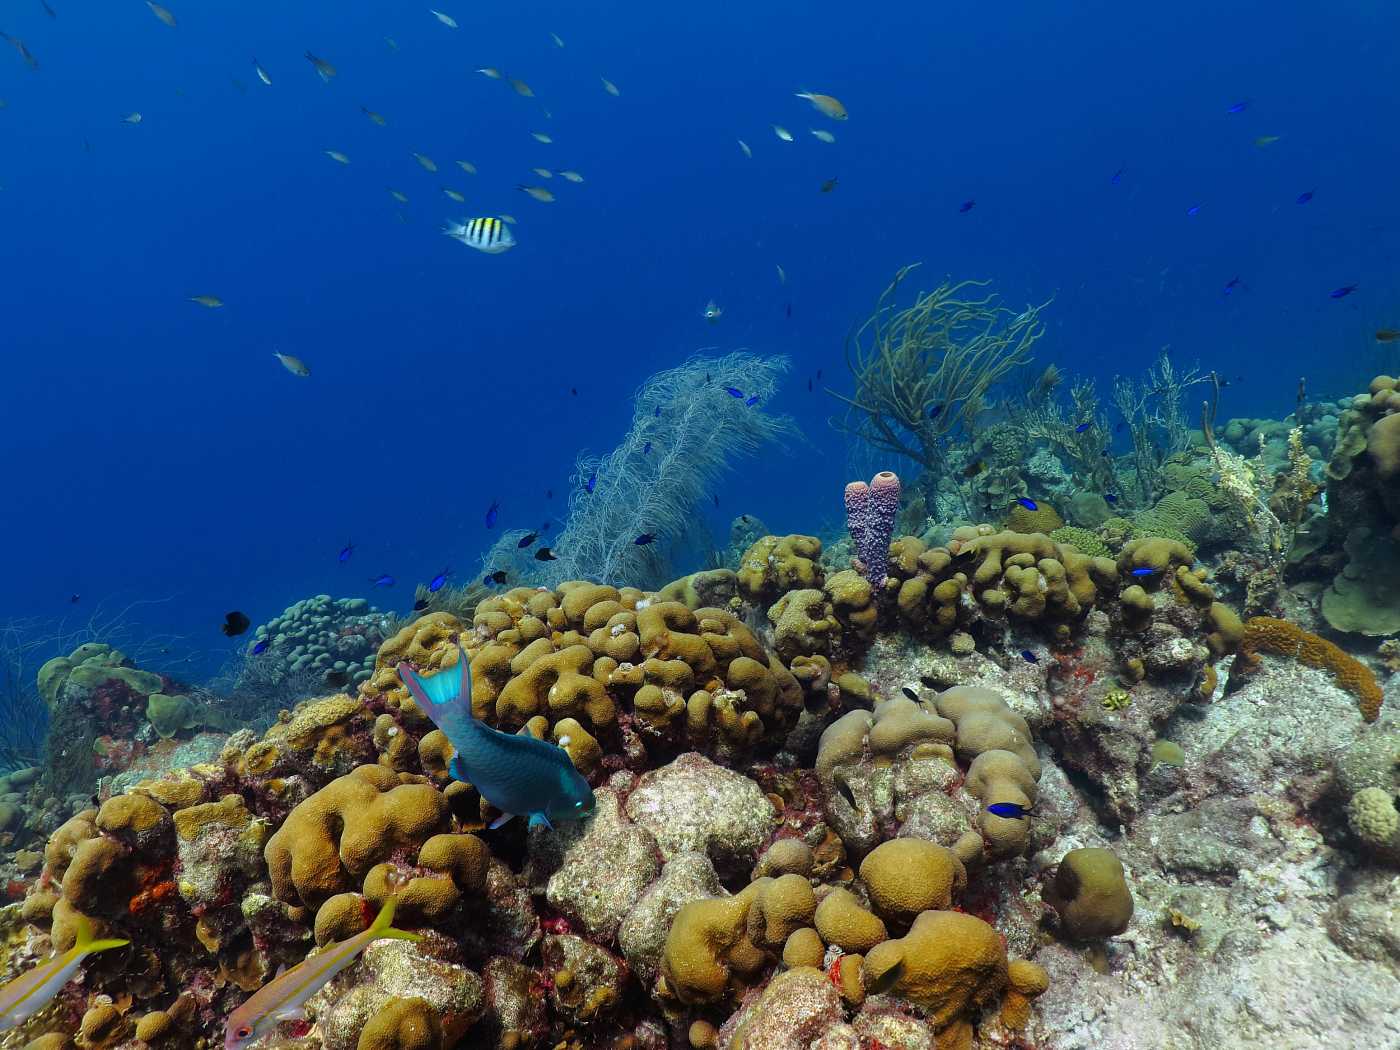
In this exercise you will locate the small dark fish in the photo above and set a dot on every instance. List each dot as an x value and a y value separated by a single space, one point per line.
548 493
716 499
1118 430
336 679
819 375
787 312
235 623
657 413
382 580
829 185
345 553
646 448
935 411
1110 497
261 646
1146 570
1342 292
1305 196
1029 657
910 693
732 392
591 483
47 9
73 599
1082 427
435 584
526 540
644 539
544 554
751 401
1232 284
1118 176
966 206
19 45
1029 504
492 513
546 527
809 386
974 468
421 604
573 390
499 576
1387 335
1239 107
1194 210
1009 810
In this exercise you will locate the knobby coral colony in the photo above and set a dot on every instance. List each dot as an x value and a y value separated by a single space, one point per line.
778 845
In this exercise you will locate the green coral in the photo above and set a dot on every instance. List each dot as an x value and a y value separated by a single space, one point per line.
170 714
89 666
1116 699
1081 540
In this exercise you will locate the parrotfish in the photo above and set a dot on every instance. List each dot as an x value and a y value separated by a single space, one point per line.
31 991
518 774
282 997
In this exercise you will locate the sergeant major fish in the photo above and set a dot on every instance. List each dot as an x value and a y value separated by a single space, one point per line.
518 774
489 235
281 998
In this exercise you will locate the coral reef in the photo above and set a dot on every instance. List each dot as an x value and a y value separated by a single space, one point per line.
336 638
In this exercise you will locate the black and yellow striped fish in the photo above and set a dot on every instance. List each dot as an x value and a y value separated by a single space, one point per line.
489 235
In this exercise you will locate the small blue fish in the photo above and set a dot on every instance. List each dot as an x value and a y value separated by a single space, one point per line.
1146 570
1029 504
646 448
1239 107
1009 810
1110 497
750 402
1029 657
732 392
261 646
966 206
1194 210
591 483
345 553
492 513
657 413
644 539
382 580
1232 284
435 584
1118 176
517 773
935 411
715 497
1342 292
1082 427
1305 196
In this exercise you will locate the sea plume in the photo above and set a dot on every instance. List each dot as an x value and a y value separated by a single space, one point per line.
687 430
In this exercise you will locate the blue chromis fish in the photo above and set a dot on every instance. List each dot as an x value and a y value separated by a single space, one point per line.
345 553
966 206
1009 810
492 513
281 999
1029 504
1305 196
31 991
591 483
1082 427
487 234
1239 107
1146 570
646 448
436 583
1029 657
518 774
1342 292
749 402
261 646
382 580
734 392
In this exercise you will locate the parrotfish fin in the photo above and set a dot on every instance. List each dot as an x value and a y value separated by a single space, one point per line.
501 821
540 820
85 944
446 698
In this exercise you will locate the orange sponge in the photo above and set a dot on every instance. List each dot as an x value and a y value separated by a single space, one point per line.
1286 639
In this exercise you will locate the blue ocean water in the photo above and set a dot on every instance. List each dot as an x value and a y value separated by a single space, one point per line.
154 449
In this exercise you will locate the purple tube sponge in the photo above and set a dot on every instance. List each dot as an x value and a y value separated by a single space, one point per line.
870 514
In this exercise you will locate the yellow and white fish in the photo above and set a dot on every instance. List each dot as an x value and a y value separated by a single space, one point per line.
543 173
609 86
282 998
540 136
427 163
822 136
337 156
825 105
31 991
163 13
453 195
262 73
294 365
538 192
489 235
745 147
521 88
467 166
447 20
782 132
211 301
572 176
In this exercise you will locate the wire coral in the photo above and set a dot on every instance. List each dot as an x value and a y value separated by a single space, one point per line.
1279 636
924 371
687 429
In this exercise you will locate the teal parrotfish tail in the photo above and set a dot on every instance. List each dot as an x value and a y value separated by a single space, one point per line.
518 774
